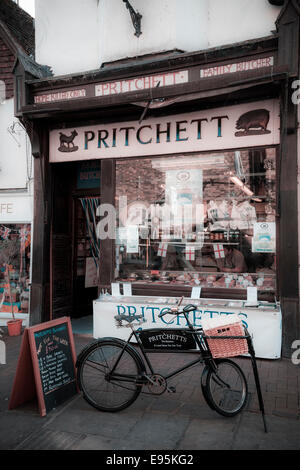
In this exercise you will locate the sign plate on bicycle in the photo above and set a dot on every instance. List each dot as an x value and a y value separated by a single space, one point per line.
169 340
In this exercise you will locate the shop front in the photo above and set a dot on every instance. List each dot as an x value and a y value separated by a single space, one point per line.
168 177
192 213
15 257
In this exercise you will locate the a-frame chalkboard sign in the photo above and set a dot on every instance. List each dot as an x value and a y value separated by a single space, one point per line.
46 366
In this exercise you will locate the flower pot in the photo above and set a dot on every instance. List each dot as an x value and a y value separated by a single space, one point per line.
14 327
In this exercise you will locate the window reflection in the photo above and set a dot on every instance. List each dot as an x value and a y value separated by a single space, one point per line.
206 219
15 242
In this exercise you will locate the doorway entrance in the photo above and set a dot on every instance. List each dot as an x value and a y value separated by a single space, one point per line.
74 245
85 256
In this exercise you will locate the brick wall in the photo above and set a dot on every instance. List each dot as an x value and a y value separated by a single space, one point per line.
7 60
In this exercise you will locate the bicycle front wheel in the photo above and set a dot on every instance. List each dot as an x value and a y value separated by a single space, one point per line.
103 389
226 389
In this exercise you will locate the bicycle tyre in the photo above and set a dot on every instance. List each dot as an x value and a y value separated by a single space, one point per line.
226 391
204 387
96 361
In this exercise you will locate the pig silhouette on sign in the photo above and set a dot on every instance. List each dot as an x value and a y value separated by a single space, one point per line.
253 123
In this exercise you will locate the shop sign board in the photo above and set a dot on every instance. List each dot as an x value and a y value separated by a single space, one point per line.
66 95
263 322
142 83
16 209
46 366
246 125
235 67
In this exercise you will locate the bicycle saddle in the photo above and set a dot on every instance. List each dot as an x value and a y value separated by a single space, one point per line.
189 308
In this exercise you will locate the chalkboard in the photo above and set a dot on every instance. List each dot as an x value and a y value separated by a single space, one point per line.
56 365
46 366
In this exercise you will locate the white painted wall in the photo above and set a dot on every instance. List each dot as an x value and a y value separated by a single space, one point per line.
232 21
13 165
166 25
67 35
79 35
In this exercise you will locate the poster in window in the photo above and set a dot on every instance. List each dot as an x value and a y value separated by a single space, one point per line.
264 237
132 239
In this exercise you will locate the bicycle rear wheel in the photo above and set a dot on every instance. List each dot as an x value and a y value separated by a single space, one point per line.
105 392
226 389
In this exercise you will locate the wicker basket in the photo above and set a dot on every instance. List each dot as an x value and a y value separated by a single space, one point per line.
227 347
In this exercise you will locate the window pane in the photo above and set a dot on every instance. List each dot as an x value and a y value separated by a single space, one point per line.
206 219
14 267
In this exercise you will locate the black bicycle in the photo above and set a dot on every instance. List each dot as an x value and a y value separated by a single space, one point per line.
112 372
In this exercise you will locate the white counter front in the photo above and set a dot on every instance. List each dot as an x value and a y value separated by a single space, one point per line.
263 321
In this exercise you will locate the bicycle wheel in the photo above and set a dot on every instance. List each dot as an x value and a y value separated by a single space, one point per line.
99 389
226 389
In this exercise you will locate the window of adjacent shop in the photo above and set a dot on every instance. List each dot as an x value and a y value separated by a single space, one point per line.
15 242
198 220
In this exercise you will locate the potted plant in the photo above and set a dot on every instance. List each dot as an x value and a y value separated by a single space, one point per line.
9 250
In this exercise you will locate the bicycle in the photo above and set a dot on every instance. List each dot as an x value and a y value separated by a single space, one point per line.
111 372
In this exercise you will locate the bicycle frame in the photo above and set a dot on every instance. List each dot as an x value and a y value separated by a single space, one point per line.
204 354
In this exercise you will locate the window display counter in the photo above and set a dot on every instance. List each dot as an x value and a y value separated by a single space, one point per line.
263 320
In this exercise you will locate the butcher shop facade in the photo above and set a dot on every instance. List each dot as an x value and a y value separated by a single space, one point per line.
182 184
195 197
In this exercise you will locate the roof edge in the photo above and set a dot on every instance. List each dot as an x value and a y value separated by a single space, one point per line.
137 64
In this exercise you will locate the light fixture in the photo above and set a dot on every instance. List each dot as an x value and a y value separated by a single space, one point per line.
136 18
241 185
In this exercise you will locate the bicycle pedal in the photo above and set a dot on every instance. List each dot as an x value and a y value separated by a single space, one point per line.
171 389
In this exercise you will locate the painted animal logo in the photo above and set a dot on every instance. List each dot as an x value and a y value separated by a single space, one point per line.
67 142
253 123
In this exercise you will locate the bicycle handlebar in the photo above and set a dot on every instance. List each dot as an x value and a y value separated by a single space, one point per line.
175 310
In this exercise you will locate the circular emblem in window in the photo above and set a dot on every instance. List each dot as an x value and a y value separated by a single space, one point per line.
183 175
264 226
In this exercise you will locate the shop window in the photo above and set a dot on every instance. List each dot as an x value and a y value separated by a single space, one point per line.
206 219
14 267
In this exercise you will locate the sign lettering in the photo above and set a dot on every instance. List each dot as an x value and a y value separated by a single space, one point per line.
141 83
6 208
60 96
240 125
237 67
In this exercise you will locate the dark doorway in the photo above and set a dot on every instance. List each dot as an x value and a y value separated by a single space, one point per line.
74 246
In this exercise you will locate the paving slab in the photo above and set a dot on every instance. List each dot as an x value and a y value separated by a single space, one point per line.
180 421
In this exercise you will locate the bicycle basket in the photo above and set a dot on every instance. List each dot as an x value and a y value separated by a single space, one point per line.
227 347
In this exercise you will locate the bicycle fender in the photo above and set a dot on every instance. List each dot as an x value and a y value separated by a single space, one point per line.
121 342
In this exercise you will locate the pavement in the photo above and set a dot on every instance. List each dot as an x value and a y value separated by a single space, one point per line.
178 422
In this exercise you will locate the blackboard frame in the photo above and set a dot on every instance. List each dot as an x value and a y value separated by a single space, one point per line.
35 363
